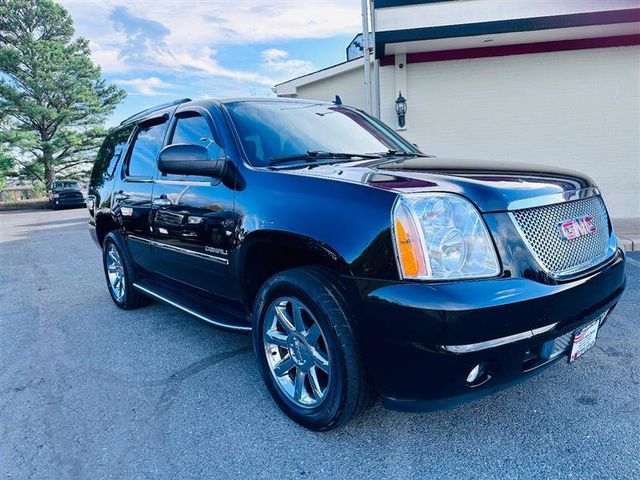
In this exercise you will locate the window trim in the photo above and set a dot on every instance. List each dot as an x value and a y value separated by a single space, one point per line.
181 113
159 120
124 151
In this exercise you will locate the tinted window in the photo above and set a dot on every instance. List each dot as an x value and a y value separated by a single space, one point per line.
195 129
142 162
277 129
109 153
66 185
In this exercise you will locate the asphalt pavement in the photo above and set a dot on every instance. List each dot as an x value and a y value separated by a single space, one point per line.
89 391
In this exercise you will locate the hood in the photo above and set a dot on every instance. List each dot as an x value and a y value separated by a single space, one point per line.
492 186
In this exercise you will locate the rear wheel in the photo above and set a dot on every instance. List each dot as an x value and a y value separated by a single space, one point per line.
120 274
307 348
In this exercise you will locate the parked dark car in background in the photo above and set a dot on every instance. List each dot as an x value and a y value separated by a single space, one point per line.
362 266
67 193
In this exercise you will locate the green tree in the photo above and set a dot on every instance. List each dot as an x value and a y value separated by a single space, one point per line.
52 97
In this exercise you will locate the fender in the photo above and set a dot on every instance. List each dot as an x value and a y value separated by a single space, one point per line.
296 248
104 222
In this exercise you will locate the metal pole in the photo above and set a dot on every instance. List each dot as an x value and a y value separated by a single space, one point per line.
376 62
367 66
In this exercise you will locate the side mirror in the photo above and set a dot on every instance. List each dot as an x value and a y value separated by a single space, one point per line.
188 159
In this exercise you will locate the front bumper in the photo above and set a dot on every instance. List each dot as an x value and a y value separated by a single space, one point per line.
421 340
69 202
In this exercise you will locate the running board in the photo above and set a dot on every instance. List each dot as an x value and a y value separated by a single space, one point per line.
206 310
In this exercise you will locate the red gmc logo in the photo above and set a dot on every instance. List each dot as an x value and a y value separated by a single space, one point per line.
577 228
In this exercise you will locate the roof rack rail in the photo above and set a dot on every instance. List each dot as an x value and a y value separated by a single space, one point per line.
135 116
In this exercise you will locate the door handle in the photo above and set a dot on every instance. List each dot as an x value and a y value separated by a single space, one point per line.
161 202
120 196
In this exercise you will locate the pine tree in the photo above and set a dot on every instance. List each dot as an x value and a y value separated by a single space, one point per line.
53 101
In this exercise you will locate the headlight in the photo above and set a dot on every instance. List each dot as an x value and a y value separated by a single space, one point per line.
441 236
56 195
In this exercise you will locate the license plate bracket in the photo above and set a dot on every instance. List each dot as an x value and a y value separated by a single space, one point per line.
583 339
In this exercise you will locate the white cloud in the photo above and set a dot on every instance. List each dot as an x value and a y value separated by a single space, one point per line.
107 58
143 38
278 61
201 61
249 21
145 86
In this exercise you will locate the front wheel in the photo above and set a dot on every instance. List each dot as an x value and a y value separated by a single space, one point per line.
307 349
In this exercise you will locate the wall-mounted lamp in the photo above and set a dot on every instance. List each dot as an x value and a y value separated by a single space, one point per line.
401 109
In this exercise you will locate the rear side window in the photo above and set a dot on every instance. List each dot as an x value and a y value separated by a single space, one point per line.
147 144
110 153
194 129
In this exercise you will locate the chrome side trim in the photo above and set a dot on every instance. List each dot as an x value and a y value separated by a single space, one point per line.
139 239
191 312
184 251
496 342
138 179
183 182
543 200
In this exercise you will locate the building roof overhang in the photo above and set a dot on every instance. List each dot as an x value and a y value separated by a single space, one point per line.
411 26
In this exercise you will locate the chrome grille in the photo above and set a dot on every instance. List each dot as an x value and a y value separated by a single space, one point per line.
540 227
73 194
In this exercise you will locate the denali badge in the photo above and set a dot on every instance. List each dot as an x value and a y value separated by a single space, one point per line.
578 227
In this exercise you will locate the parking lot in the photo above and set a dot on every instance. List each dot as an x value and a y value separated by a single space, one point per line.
91 391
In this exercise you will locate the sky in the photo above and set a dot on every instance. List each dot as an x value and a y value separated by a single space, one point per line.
163 50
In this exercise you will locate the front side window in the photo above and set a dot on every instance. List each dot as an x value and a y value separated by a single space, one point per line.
194 129
271 130
148 142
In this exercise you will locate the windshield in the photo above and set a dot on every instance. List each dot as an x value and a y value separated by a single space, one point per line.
274 130
66 185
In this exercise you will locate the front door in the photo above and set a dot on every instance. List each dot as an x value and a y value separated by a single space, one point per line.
133 193
193 217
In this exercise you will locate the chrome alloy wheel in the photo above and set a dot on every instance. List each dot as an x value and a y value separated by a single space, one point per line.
115 272
297 352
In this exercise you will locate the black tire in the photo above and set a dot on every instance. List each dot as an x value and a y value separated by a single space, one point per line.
132 297
348 391
54 206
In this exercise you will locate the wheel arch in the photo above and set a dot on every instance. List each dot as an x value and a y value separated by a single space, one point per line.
105 222
268 252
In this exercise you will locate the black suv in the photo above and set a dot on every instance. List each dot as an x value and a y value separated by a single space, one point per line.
361 265
66 193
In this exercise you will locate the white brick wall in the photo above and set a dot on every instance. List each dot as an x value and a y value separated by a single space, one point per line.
578 109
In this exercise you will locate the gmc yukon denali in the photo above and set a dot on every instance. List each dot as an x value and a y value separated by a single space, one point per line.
363 267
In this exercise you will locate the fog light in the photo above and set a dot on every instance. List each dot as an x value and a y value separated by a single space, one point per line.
477 373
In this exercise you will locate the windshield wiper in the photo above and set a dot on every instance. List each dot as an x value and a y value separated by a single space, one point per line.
401 153
313 155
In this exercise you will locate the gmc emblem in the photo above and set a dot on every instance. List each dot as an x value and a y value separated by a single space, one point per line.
578 227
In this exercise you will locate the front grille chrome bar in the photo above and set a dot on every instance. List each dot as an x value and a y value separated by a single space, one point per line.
542 200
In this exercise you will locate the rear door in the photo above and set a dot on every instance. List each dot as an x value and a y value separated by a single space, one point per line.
193 217
132 195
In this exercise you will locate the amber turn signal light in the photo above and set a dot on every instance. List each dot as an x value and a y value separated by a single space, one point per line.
409 249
